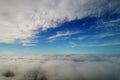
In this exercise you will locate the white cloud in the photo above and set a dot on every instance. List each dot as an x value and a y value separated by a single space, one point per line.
60 67
20 19
108 44
82 37
28 44
98 36
95 44
63 34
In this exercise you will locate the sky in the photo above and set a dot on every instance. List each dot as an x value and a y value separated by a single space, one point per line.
59 26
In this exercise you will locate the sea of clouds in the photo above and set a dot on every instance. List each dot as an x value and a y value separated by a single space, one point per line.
59 67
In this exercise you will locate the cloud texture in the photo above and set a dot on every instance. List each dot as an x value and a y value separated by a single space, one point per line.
61 67
21 20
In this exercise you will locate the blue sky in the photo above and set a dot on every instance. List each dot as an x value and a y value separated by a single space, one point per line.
60 27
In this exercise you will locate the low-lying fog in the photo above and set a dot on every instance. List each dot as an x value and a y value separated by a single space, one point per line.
59 67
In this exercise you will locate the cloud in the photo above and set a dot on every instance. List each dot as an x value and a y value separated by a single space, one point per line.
111 25
98 36
105 35
28 42
109 44
82 70
63 34
61 67
21 20
82 37
95 44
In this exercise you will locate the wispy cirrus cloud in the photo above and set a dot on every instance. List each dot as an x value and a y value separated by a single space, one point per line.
21 20
94 40
98 36
108 24
102 44
63 34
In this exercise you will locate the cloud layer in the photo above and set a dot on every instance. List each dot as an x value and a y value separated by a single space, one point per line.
21 20
60 67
